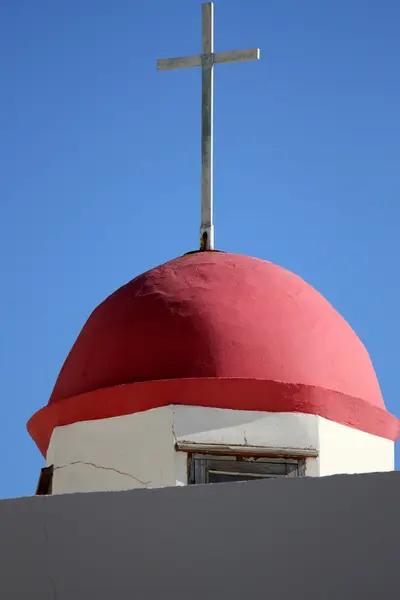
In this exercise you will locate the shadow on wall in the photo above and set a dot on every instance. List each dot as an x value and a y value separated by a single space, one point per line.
334 538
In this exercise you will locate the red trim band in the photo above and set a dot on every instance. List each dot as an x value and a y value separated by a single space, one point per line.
234 394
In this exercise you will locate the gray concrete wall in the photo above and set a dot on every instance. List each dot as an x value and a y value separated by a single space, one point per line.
324 538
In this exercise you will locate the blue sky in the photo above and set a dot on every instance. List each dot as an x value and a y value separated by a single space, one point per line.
100 168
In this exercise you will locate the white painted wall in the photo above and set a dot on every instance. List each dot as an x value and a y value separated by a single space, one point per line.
346 450
139 450
247 428
244 427
121 453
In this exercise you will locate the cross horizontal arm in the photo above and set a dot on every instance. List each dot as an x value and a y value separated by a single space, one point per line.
219 58
167 64
236 56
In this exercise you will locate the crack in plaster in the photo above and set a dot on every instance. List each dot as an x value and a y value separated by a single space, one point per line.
90 464
53 587
173 426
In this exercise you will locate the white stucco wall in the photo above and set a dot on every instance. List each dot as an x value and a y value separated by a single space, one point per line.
248 428
245 427
346 450
121 453
138 450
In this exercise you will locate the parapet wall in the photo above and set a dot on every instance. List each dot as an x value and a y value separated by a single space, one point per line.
331 538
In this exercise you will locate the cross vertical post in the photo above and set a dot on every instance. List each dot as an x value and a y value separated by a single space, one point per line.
207 128
206 60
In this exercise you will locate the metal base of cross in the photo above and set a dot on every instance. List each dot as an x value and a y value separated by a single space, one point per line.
207 238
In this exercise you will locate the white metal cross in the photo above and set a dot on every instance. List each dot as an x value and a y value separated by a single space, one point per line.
206 60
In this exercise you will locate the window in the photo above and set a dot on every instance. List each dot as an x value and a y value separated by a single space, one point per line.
219 469
45 483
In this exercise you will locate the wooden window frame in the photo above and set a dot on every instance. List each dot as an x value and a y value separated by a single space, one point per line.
200 466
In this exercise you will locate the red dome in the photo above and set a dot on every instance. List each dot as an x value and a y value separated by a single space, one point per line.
216 315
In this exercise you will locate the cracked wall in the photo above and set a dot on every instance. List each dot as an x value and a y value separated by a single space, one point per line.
129 452
138 450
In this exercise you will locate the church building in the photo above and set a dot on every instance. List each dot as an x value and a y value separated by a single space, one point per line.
186 389
212 367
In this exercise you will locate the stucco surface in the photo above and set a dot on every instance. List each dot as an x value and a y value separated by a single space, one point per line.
333 538
220 330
